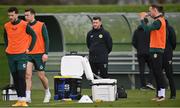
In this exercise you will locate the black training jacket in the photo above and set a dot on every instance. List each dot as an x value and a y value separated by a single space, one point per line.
141 40
99 43
170 38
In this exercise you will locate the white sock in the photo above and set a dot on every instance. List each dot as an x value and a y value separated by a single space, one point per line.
47 92
19 98
28 94
162 92
22 98
159 93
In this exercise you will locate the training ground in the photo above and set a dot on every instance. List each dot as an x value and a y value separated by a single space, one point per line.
136 98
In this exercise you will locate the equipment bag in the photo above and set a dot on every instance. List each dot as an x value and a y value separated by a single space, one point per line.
121 92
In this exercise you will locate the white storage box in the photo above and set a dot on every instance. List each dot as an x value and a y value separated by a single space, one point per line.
9 94
76 66
104 89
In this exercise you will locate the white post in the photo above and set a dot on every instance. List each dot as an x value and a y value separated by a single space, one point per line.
11 79
132 80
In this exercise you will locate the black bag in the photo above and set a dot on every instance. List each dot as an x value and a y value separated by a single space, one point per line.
121 92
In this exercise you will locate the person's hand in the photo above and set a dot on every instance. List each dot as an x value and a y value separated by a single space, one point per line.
44 57
142 15
27 50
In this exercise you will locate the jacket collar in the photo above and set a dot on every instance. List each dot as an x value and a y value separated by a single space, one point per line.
16 22
32 23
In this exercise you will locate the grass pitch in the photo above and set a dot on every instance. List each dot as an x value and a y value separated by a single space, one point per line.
136 98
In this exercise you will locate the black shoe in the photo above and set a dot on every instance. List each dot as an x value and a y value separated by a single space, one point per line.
172 97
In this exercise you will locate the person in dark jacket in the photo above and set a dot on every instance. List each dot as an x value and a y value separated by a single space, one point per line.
167 58
140 42
99 43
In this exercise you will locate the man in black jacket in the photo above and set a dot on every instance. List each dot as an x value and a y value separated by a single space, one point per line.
141 42
167 58
99 43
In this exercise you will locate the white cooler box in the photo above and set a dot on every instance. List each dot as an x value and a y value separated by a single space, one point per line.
104 89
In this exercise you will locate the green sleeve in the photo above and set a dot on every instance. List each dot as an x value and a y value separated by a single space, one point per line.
154 26
5 38
46 38
31 32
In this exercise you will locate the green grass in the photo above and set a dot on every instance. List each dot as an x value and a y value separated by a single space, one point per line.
93 8
136 98
4 69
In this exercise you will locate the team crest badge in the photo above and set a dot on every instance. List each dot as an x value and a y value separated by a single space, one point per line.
14 28
24 65
41 67
170 62
100 36
105 65
155 55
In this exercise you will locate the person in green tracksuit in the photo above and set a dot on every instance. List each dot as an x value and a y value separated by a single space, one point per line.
17 34
157 45
38 56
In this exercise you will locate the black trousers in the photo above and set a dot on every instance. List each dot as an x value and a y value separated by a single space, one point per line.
157 70
100 67
19 82
142 60
17 64
167 66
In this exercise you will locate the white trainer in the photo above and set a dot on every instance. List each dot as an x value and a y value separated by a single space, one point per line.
47 98
150 86
28 100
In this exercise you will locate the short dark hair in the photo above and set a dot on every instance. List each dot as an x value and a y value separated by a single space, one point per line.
97 18
13 9
158 7
31 10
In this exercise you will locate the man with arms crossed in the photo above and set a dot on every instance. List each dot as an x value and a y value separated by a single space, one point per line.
99 43
38 56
